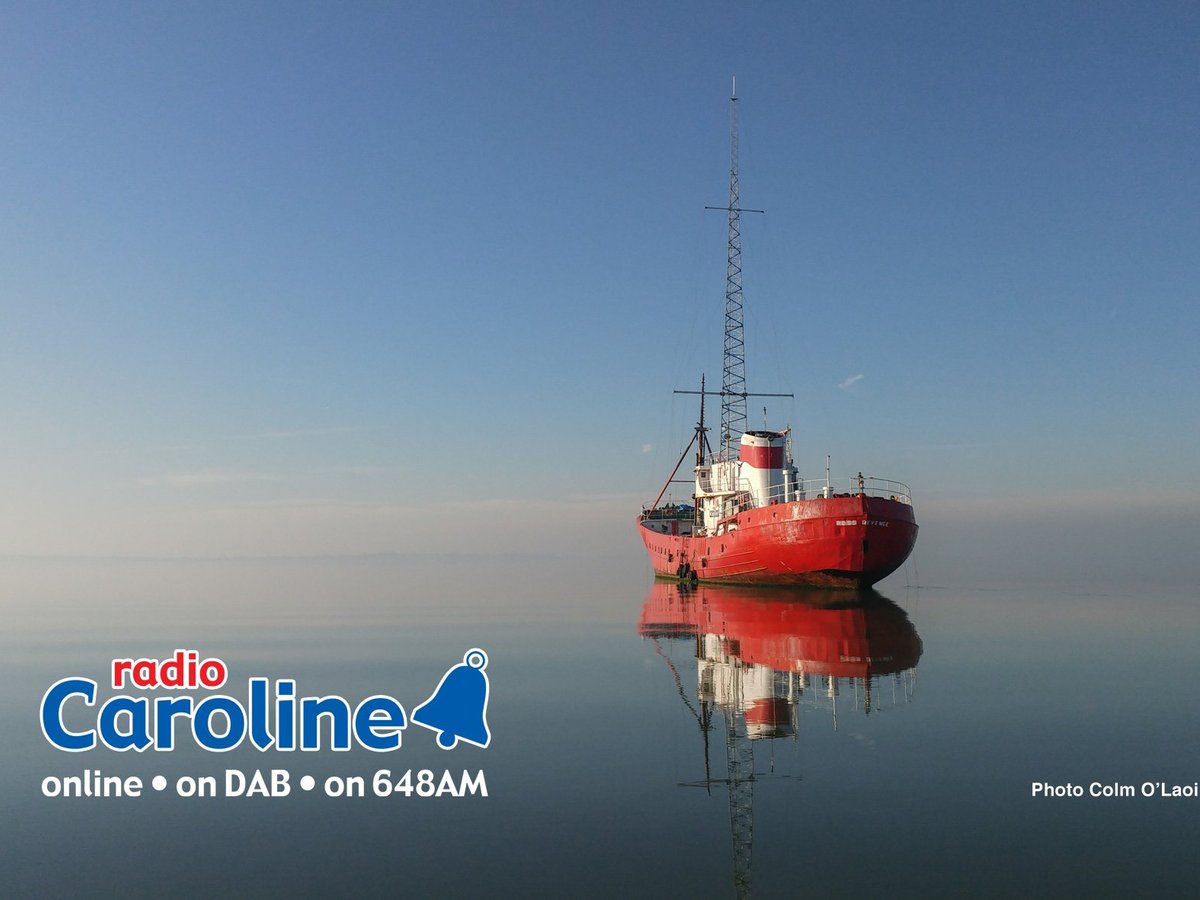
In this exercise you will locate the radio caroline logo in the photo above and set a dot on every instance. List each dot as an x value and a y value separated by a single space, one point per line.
270 716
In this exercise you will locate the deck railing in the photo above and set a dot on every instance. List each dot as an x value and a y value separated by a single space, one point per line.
810 489
853 485
817 488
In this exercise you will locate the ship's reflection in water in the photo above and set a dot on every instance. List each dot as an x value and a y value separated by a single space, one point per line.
762 655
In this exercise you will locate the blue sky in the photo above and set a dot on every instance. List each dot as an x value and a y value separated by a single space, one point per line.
309 278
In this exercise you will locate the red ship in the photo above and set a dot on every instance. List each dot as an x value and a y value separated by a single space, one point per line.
754 520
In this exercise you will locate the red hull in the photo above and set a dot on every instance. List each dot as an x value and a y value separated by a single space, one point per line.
838 542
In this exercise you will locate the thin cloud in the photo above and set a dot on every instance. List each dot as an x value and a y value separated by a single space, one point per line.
296 433
647 448
982 507
204 478
849 383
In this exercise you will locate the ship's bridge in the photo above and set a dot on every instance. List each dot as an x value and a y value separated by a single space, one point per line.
762 474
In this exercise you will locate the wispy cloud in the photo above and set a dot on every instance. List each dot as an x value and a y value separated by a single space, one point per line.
849 383
204 478
214 477
1058 504
647 448
297 433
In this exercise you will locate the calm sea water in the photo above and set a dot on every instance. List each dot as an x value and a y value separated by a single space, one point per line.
645 742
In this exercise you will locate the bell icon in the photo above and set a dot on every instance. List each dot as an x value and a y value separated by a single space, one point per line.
457 711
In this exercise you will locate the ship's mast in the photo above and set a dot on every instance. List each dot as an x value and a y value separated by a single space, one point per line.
733 370
733 380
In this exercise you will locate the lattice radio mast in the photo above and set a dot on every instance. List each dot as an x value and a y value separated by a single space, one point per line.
733 378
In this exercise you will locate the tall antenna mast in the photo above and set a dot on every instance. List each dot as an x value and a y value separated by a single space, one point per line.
733 379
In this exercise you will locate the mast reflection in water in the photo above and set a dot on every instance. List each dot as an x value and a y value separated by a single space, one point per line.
761 655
